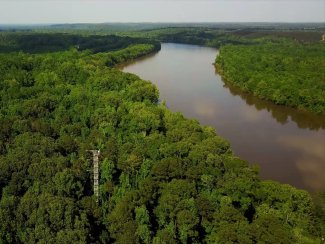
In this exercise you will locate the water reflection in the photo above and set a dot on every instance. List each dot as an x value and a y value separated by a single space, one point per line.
203 108
309 158
289 145
282 114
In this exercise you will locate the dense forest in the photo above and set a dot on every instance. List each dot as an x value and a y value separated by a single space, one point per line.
163 178
285 72
220 35
195 36
46 42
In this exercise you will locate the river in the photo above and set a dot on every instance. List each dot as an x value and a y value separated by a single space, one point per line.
288 145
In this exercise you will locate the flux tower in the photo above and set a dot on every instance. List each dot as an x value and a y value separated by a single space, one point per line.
96 154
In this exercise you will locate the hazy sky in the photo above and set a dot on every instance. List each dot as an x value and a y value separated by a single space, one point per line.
96 11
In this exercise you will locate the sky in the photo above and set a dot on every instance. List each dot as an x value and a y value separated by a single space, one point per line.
100 11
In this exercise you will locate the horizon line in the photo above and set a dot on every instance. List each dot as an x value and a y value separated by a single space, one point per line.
165 22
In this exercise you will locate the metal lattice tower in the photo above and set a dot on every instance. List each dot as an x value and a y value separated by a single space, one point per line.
96 154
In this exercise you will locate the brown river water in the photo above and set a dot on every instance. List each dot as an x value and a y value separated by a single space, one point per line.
288 145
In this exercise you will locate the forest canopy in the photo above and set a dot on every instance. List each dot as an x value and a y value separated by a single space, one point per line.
164 178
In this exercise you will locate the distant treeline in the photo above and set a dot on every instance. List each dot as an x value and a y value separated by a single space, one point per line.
196 36
113 28
229 34
47 42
